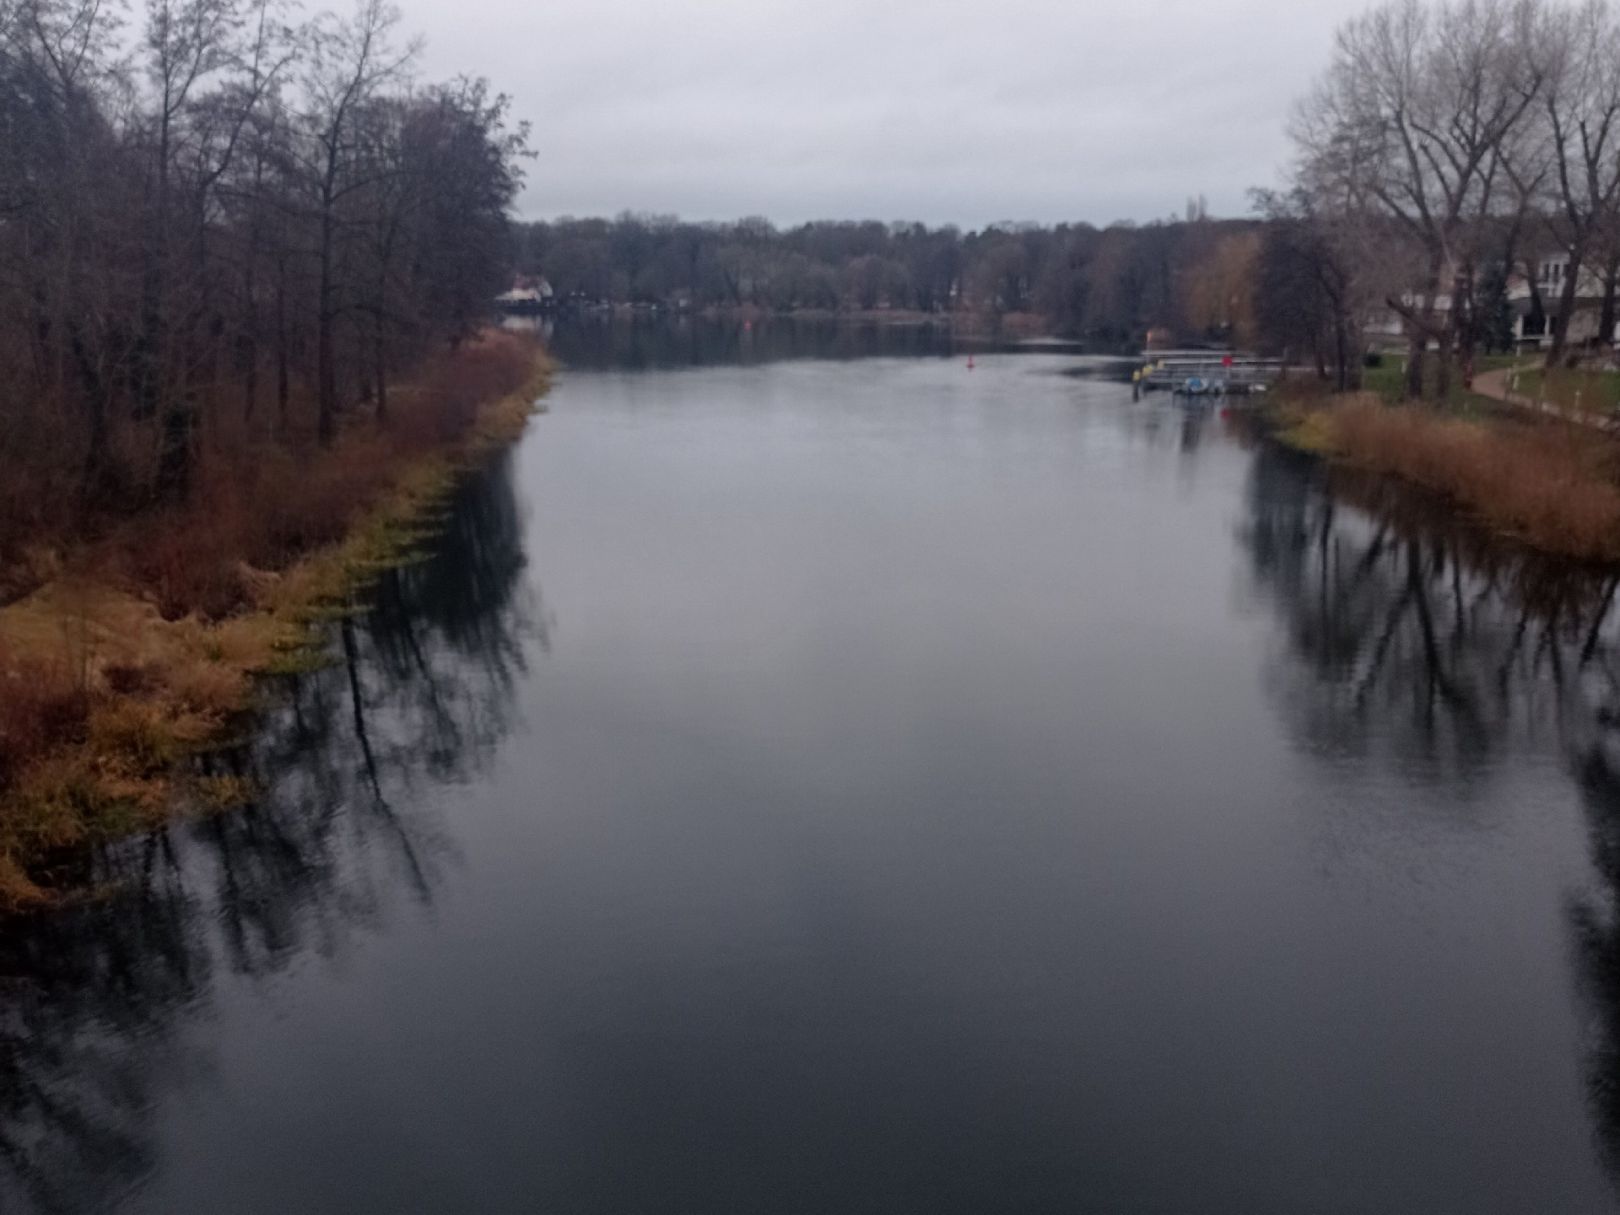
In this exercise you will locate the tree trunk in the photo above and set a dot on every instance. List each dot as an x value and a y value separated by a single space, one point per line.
1423 326
247 342
325 355
174 456
326 318
147 360
1464 323
379 355
1566 310
152 396
1417 345
97 466
1341 350
283 377
249 358
1606 318
325 380
1442 365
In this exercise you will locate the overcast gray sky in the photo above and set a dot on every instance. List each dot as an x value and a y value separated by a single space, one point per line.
891 109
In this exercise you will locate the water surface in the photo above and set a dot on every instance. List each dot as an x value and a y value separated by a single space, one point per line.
861 784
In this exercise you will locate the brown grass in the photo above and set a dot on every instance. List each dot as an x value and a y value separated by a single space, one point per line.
264 506
144 648
40 705
1551 484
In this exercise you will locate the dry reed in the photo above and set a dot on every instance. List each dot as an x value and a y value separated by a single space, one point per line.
1551 484
114 672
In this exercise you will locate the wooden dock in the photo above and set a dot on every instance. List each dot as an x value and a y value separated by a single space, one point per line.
1207 372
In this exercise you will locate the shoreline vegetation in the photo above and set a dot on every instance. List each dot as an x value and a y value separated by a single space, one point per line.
149 646
246 266
1541 480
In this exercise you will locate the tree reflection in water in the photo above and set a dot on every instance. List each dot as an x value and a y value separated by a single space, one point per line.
1409 641
1414 634
95 1000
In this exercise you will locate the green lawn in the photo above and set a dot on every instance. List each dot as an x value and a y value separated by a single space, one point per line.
1596 391
1388 380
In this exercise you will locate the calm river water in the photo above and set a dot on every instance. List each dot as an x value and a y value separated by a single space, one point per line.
862 784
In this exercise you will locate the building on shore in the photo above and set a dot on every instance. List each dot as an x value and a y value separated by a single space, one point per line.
527 295
1532 303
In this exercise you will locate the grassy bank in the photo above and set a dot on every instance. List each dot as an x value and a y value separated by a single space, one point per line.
143 646
1571 389
1387 381
1547 483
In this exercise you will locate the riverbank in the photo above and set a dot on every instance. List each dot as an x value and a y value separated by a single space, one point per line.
1580 396
1540 479
970 325
144 646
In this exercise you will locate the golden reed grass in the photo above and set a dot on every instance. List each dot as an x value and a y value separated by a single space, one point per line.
1549 483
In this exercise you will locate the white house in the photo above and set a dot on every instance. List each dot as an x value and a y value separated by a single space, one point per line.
526 295
1532 326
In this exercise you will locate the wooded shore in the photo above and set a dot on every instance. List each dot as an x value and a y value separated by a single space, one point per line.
146 645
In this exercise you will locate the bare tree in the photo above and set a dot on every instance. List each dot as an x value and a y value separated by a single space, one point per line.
186 44
1412 118
212 201
1581 100
350 62
1311 287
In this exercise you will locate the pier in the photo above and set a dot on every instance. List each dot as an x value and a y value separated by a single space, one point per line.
1207 372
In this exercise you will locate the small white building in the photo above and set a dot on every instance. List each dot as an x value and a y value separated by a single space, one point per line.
526 295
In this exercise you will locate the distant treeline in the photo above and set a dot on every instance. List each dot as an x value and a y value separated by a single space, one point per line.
1194 277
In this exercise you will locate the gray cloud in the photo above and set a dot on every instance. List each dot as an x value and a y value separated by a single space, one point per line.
941 111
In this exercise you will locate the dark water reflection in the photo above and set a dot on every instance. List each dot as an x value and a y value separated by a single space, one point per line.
919 791
1446 650
96 1002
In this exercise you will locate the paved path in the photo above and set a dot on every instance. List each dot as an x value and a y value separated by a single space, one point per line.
1498 386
